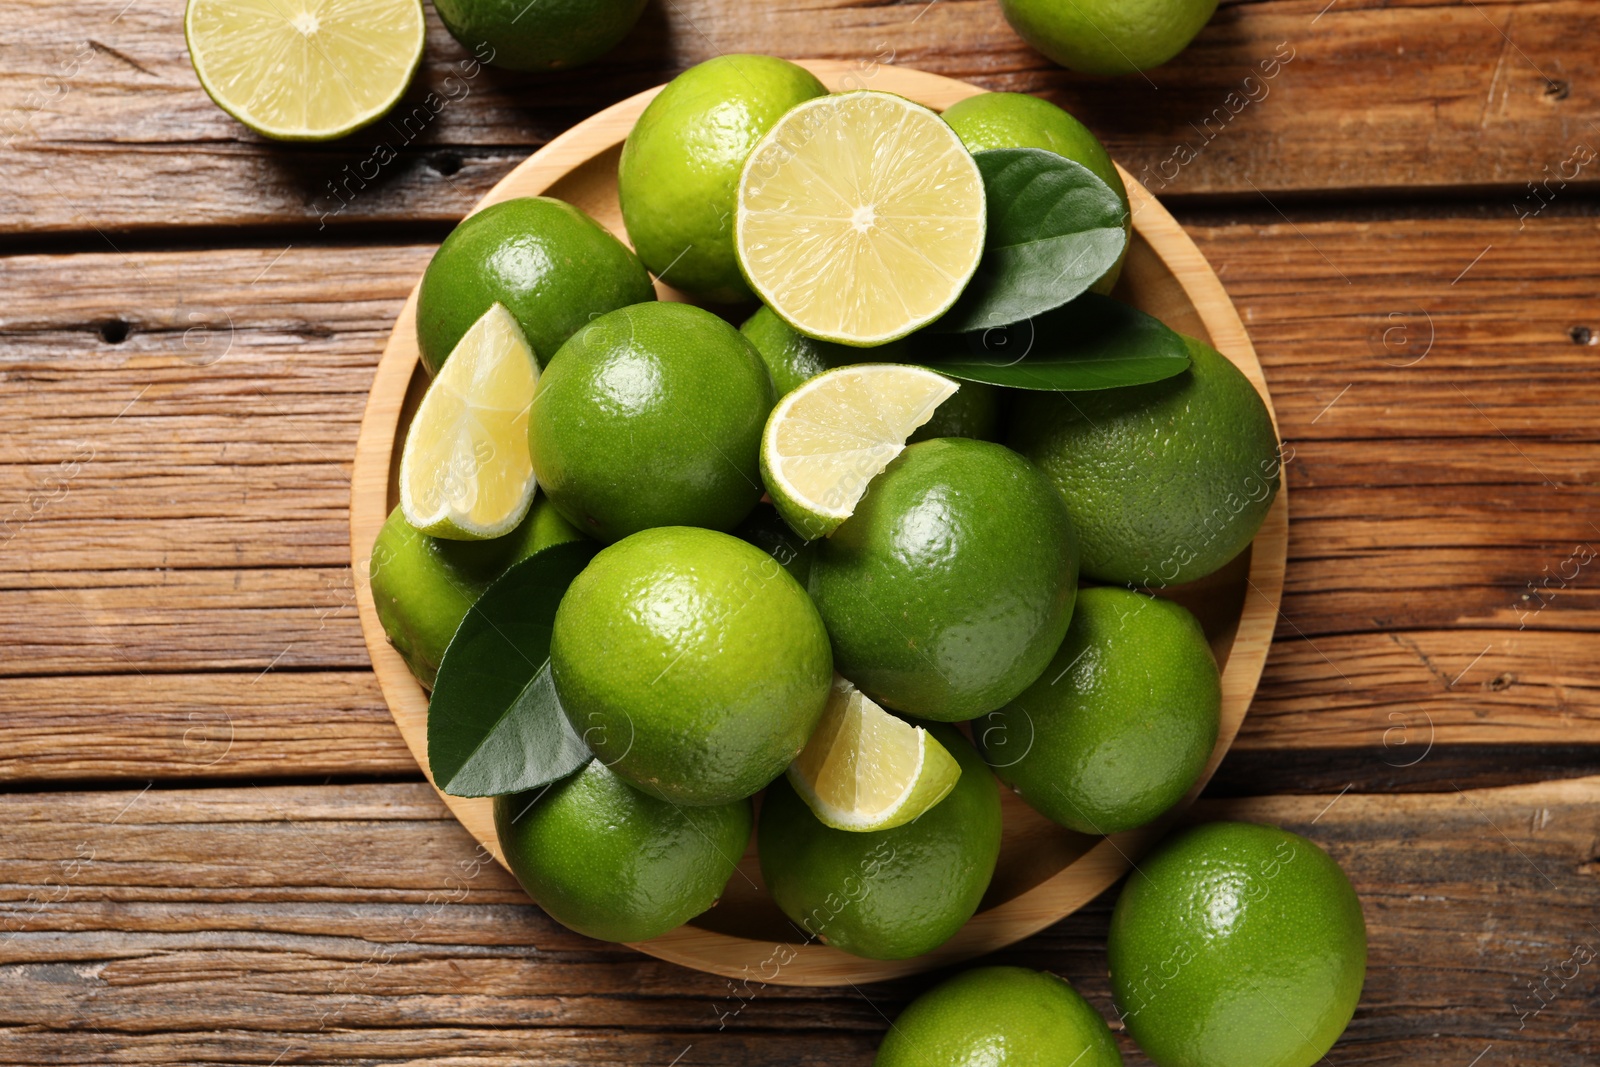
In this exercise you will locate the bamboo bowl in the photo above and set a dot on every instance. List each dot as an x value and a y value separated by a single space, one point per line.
1044 872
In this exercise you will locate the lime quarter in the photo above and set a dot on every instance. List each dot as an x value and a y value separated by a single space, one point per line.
465 472
828 439
865 769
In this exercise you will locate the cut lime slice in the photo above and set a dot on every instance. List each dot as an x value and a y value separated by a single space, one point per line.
465 472
865 769
826 440
860 217
304 70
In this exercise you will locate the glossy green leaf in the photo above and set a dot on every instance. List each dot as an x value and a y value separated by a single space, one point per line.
495 724
1054 229
1094 342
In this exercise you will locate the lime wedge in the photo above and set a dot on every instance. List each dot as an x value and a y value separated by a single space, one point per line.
865 769
826 440
304 70
860 217
465 472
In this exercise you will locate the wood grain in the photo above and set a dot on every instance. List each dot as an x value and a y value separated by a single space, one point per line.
1362 707
108 130
207 532
175 604
359 923
220 725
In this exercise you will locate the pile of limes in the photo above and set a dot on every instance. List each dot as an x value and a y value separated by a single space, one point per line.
814 554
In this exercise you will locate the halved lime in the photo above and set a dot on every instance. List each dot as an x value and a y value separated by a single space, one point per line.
465 472
826 440
304 70
865 769
860 217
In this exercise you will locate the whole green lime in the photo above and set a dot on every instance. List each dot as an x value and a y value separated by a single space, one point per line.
951 586
885 894
1108 36
423 586
614 863
681 162
792 359
691 662
547 35
1237 945
999 1017
551 265
1018 120
1121 723
651 416
1165 482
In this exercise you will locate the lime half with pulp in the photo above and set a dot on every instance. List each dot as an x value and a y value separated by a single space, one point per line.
859 218
304 70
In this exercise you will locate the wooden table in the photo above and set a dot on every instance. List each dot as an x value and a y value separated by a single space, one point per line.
216 848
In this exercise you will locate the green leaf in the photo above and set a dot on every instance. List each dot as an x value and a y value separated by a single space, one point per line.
1054 229
495 724
1094 342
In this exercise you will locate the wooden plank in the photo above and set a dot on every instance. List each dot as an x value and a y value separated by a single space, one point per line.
206 532
273 724
358 923
234 397
1400 710
176 621
104 119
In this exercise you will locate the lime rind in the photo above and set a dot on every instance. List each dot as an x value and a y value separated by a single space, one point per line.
466 472
859 217
353 58
865 769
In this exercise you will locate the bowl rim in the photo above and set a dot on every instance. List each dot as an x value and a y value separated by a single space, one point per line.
813 964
